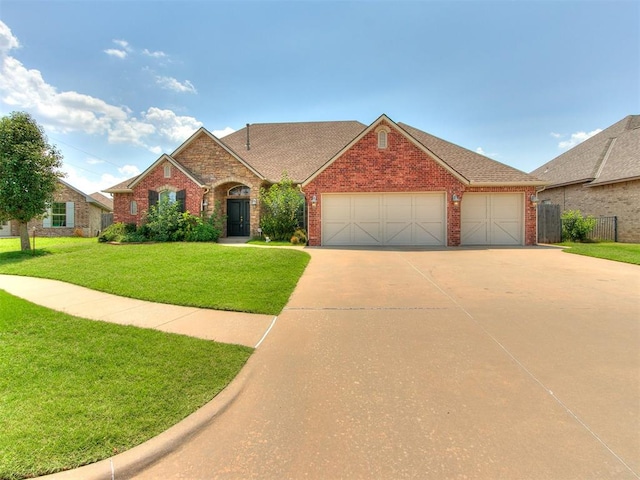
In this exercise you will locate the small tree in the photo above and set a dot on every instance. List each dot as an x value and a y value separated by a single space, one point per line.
576 227
28 171
280 205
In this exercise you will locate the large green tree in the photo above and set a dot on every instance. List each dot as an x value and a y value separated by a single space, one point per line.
280 205
29 171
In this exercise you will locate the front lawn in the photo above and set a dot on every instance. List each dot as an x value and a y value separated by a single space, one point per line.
75 391
620 252
246 279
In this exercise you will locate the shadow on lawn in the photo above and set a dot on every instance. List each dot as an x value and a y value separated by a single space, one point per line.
8 258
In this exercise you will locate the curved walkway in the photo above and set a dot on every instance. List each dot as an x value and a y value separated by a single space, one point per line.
227 327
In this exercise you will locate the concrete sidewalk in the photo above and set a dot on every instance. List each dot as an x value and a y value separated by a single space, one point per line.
227 327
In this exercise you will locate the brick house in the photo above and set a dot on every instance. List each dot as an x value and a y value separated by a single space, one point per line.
72 213
600 177
382 184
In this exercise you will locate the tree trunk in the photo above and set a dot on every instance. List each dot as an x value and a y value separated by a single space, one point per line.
24 236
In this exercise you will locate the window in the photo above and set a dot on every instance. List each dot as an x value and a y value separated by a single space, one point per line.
59 214
167 195
382 139
167 170
240 191
133 207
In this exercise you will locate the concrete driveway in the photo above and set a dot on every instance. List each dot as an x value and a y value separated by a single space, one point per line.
460 363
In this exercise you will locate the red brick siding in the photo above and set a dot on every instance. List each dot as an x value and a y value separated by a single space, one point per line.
401 167
155 180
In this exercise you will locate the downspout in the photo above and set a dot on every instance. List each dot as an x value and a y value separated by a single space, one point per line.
203 203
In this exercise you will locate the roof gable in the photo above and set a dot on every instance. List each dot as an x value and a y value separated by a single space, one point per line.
612 155
468 167
165 158
204 131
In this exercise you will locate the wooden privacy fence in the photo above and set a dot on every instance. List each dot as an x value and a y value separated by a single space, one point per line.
550 226
606 229
106 220
549 223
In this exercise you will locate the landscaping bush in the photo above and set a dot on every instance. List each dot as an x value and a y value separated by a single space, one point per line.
113 233
299 237
575 226
280 205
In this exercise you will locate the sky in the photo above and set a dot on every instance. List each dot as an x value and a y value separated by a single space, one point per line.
115 84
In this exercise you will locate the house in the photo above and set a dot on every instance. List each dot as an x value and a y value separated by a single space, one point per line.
382 184
600 177
73 213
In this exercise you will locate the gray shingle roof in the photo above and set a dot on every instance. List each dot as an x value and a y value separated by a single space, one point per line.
476 168
612 155
297 148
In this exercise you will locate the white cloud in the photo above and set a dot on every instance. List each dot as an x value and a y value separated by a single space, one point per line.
129 170
170 83
481 151
577 138
7 40
169 125
94 161
224 132
157 54
105 180
556 135
70 111
114 52
123 44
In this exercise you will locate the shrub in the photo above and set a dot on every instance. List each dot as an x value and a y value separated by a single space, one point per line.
299 237
280 206
78 232
575 226
163 221
113 233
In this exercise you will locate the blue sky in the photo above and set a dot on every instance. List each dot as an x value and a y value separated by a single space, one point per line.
116 84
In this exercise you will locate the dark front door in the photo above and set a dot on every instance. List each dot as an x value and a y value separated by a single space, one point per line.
238 218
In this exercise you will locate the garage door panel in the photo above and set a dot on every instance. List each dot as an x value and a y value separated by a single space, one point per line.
384 219
492 219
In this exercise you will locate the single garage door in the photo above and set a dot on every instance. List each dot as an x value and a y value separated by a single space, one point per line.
492 219
383 219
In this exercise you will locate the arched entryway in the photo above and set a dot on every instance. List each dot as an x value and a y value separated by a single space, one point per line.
239 211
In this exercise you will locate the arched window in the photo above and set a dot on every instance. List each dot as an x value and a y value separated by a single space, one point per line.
382 139
167 170
240 191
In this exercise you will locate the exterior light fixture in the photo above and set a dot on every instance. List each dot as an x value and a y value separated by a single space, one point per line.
455 199
254 201
534 199
314 201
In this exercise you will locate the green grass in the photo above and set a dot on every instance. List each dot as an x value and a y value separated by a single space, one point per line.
272 243
619 252
75 391
208 275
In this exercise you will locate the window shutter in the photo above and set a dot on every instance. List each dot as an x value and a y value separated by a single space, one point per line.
46 221
181 198
153 198
71 214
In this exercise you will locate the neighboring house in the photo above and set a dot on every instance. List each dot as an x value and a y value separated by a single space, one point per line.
600 177
382 184
73 213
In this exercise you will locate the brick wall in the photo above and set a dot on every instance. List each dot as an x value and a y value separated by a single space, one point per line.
216 167
155 180
401 167
617 199
85 214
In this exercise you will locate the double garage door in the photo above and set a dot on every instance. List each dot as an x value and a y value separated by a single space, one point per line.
384 219
420 219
